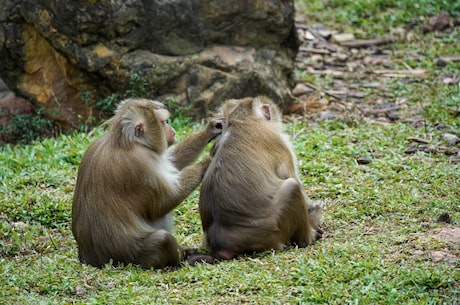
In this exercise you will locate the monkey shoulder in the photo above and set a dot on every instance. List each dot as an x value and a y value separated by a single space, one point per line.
159 170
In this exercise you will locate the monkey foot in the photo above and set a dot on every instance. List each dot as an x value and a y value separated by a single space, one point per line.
200 258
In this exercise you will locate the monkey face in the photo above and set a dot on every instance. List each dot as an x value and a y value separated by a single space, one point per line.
170 133
162 115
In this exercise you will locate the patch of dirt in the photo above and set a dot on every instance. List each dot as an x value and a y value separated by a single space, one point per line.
447 246
446 234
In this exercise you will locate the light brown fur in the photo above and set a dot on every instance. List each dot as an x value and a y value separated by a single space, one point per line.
251 199
128 182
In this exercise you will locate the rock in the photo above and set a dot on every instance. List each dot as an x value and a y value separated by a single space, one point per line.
437 23
328 115
80 291
325 33
445 217
309 35
451 139
19 225
343 37
301 89
441 21
363 160
197 53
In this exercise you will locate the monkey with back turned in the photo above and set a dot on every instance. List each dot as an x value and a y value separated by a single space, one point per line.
251 199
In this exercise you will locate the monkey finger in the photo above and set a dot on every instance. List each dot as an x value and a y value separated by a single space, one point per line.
319 232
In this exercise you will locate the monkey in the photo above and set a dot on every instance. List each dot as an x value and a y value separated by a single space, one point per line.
129 181
251 199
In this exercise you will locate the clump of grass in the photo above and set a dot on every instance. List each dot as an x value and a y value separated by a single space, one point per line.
26 127
373 17
374 220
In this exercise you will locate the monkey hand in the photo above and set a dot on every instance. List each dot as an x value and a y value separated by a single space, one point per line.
319 231
204 165
214 128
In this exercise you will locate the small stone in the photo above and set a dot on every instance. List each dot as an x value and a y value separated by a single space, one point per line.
441 21
328 115
19 225
301 34
342 37
300 89
399 33
437 23
326 34
309 36
374 85
363 160
448 81
80 291
444 217
392 116
451 139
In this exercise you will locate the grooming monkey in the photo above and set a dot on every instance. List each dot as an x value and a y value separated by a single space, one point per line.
251 198
129 181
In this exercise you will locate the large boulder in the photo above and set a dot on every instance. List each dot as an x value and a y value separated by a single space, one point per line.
197 53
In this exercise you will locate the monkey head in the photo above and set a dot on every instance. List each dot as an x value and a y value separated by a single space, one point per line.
144 122
259 107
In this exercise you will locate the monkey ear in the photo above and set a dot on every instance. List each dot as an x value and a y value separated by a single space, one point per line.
266 111
139 130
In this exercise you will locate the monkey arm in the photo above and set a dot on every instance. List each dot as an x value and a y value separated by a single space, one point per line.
188 150
190 177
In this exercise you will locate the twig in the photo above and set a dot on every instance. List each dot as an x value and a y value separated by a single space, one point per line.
402 73
364 43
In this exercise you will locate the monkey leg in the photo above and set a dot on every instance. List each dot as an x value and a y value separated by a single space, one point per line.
158 249
294 221
227 242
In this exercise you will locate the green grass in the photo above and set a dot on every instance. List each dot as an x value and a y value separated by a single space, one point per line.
379 218
374 251
370 17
